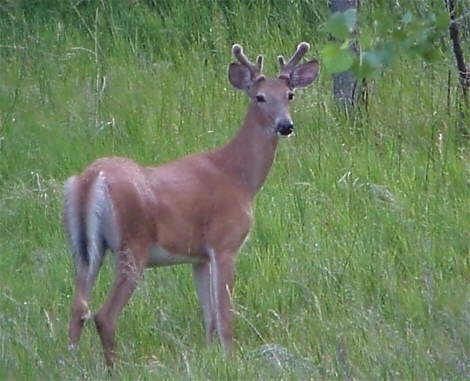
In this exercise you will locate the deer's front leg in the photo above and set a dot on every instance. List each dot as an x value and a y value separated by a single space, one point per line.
201 273
221 285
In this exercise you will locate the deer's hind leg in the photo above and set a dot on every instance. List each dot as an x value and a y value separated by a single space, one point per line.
87 249
80 311
129 271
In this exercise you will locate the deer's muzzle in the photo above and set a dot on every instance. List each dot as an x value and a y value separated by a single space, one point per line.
285 127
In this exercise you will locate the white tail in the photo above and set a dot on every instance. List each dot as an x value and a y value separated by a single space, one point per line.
193 210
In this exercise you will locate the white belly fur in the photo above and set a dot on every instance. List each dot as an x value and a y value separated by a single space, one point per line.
160 257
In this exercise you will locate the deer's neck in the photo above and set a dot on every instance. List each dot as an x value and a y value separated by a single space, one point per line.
250 154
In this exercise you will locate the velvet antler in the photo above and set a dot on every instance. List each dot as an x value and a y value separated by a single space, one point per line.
255 69
288 67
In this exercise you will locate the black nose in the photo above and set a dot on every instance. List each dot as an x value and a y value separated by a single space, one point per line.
285 127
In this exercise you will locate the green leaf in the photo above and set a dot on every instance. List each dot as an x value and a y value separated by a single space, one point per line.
365 39
372 59
430 54
399 35
336 59
442 21
341 24
407 18
350 18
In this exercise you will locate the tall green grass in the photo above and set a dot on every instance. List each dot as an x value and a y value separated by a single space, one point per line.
358 263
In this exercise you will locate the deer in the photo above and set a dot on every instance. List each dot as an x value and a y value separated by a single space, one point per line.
195 210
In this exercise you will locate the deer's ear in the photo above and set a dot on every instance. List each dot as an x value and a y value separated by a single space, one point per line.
240 76
303 75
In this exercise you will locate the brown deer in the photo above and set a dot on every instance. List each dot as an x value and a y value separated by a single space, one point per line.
197 209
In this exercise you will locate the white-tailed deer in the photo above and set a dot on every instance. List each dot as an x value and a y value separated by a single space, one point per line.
196 210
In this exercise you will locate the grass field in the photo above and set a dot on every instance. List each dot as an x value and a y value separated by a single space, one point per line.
359 260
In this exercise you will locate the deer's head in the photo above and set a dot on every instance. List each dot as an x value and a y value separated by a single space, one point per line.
271 96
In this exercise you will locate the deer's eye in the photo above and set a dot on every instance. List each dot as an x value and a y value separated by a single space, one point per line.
260 98
290 96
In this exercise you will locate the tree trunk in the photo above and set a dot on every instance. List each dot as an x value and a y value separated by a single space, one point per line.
464 72
346 88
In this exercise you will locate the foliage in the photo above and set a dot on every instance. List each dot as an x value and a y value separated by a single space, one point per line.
384 43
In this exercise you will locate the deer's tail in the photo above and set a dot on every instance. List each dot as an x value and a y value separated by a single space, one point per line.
90 223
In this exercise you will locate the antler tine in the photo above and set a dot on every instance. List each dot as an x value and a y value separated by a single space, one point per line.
302 48
286 68
259 63
255 69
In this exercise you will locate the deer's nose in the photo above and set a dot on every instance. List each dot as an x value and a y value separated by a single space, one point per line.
285 127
